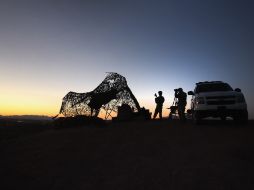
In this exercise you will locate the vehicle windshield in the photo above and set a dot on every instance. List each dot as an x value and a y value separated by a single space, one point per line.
213 87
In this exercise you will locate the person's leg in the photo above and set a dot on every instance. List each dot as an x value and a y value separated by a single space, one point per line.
181 113
155 113
170 116
160 113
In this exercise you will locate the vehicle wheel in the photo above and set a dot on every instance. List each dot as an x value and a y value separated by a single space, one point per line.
196 118
223 118
241 118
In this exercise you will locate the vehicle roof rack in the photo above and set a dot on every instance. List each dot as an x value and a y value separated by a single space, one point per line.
208 82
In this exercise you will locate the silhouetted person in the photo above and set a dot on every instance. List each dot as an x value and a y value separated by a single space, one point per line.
181 96
159 104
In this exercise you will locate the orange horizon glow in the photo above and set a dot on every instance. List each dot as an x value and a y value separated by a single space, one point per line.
16 111
19 101
48 107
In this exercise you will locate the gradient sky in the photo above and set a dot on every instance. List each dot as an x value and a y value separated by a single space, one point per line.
48 48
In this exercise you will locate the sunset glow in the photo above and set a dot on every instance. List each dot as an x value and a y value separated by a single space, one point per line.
49 48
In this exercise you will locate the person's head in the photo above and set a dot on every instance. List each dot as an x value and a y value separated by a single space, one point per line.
160 93
180 89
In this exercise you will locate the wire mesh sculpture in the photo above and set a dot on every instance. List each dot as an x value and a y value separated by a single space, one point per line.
109 95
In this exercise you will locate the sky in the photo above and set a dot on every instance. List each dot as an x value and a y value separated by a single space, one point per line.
51 47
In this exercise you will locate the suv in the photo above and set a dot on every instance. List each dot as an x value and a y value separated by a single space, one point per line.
217 99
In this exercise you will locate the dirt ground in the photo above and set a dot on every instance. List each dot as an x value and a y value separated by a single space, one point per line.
135 155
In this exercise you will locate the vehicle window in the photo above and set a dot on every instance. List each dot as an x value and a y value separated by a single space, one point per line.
213 87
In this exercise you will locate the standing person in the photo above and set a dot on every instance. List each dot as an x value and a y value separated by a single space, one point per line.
159 104
181 96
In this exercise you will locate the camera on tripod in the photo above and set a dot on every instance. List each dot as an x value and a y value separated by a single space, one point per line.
177 91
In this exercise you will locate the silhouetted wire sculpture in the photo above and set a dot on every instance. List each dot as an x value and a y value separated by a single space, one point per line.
109 95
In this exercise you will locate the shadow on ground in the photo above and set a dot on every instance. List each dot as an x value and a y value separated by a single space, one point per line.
134 155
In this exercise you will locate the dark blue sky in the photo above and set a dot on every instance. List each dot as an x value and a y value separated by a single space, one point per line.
50 47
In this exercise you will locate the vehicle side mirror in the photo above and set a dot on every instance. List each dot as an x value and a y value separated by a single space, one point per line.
238 90
191 93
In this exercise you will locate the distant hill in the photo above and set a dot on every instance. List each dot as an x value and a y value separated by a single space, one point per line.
26 117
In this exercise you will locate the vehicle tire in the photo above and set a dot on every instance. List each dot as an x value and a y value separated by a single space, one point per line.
241 118
196 118
223 118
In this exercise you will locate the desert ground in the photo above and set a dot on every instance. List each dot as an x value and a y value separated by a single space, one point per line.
134 155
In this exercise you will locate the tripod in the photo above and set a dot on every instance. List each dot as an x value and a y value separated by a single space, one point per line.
173 109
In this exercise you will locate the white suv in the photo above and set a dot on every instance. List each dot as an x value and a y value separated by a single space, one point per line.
218 99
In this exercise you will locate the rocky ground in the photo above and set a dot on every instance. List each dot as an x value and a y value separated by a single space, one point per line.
135 155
